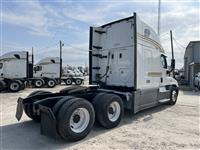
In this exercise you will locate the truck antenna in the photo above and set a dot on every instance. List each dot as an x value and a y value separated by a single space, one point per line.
159 3
32 56
172 48
61 45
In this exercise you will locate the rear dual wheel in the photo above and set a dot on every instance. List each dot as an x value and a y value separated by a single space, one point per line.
78 81
15 86
2 85
51 83
68 81
38 83
109 109
75 119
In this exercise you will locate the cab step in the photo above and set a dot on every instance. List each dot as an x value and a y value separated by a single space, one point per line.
163 100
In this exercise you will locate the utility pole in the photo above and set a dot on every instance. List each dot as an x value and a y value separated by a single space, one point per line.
61 45
172 48
32 56
159 17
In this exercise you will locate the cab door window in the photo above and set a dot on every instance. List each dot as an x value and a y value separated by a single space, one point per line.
1 65
163 61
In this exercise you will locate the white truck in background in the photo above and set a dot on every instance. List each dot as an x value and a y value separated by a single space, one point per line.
46 72
127 70
14 70
17 71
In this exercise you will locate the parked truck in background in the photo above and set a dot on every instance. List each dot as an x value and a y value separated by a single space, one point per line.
46 73
17 70
14 71
127 70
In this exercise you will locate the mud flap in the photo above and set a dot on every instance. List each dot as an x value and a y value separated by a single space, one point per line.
48 122
19 110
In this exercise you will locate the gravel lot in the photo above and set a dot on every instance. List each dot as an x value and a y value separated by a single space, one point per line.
162 127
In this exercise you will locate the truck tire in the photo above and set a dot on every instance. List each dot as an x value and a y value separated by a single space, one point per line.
22 86
78 81
51 83
75 119
58 105
28 108
38 83
173 96
14 86
109 110
2 85
68 81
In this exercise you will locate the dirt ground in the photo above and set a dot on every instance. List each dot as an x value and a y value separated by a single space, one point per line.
162 127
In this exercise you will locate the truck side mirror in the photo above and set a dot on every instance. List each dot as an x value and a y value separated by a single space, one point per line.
172 63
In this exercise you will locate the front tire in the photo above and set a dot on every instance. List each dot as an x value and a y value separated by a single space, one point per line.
173 96
109 110
75 119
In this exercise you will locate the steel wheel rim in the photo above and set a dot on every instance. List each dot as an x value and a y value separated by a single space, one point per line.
68 81
14 86
114 111
78 81
174 96
38 83
79 120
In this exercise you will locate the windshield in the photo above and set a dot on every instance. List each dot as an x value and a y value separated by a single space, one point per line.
163 61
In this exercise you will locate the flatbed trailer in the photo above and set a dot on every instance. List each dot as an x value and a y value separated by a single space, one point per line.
127 70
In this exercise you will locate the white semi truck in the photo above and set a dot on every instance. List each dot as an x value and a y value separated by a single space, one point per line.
14 70
46 72
17 69
127 70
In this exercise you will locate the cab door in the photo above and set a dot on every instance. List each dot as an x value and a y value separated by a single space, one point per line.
164 93
163 65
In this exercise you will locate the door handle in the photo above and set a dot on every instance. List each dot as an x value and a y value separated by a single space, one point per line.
161 79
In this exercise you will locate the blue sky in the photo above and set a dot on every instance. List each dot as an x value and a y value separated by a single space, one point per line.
41 24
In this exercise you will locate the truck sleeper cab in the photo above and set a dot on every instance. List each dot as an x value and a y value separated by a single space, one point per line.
13 71
127 70
46 73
